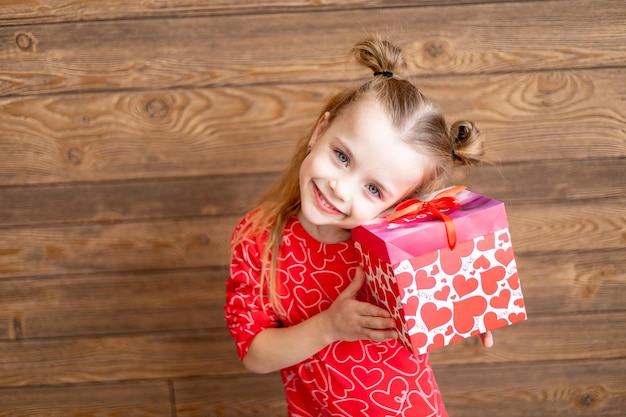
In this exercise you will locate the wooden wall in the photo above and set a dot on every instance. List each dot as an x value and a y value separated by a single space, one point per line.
133 135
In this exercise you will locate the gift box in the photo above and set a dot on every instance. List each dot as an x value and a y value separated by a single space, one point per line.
444 269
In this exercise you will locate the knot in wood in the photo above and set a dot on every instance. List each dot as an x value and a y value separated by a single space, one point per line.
201 240
24 41
75 156
591 398
434 49
157 109
586 400
17 328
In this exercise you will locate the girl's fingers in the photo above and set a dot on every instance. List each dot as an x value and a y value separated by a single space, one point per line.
381 335
356 284
370 310
487 339
379 323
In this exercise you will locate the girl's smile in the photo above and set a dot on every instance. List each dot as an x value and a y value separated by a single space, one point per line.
324 204
359 165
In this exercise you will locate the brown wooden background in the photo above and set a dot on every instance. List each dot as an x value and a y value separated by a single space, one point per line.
134 134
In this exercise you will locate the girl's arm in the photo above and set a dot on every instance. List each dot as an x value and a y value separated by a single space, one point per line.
347 319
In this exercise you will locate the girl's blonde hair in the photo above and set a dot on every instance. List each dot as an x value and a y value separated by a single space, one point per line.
418 119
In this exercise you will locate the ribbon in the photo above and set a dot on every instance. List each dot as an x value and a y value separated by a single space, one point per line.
417 210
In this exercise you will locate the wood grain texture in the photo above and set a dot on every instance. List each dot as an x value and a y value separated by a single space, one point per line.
575 282
133 399
14 12
198 51
140 302
562 115
134 135
101 304
468 390
568 227
211 352
77 360
555 388
558 389
245 395
204 241
131 200
152 134
591 181
167 244
543 181
544 339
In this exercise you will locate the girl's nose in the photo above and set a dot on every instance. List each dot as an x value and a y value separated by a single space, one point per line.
341 190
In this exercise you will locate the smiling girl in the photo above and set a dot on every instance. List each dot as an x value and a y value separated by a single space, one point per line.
292 301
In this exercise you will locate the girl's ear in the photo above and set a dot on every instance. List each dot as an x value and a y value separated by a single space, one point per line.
320 127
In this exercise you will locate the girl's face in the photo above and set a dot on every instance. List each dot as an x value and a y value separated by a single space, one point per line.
358 167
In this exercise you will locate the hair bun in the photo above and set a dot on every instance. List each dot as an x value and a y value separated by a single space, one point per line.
462 134
379 55
467 143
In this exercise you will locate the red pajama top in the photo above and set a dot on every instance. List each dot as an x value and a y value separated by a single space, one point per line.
361 378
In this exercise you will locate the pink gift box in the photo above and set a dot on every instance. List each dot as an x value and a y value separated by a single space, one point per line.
439 295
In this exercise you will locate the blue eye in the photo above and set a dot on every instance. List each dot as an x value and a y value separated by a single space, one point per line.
342 157
373 190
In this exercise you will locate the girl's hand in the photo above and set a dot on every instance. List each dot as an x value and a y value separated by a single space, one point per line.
487 339
349 319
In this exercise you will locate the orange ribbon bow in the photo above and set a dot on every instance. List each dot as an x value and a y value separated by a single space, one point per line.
415 210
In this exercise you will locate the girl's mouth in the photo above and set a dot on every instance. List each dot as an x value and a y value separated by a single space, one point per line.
323 203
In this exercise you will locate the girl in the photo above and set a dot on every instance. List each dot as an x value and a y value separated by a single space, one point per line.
292 294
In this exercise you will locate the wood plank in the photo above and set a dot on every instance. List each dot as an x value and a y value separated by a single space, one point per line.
193 300
198 51
247 395
152 134
183 300
549 181
112 304
204 241
545 338
236 194
541 389
553 389
146 399
75 360
14 12
568 227
571 283
128 157
537 116
211 352
167 244
131 200
576 115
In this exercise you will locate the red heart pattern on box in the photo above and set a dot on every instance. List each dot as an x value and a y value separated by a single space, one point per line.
448 295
